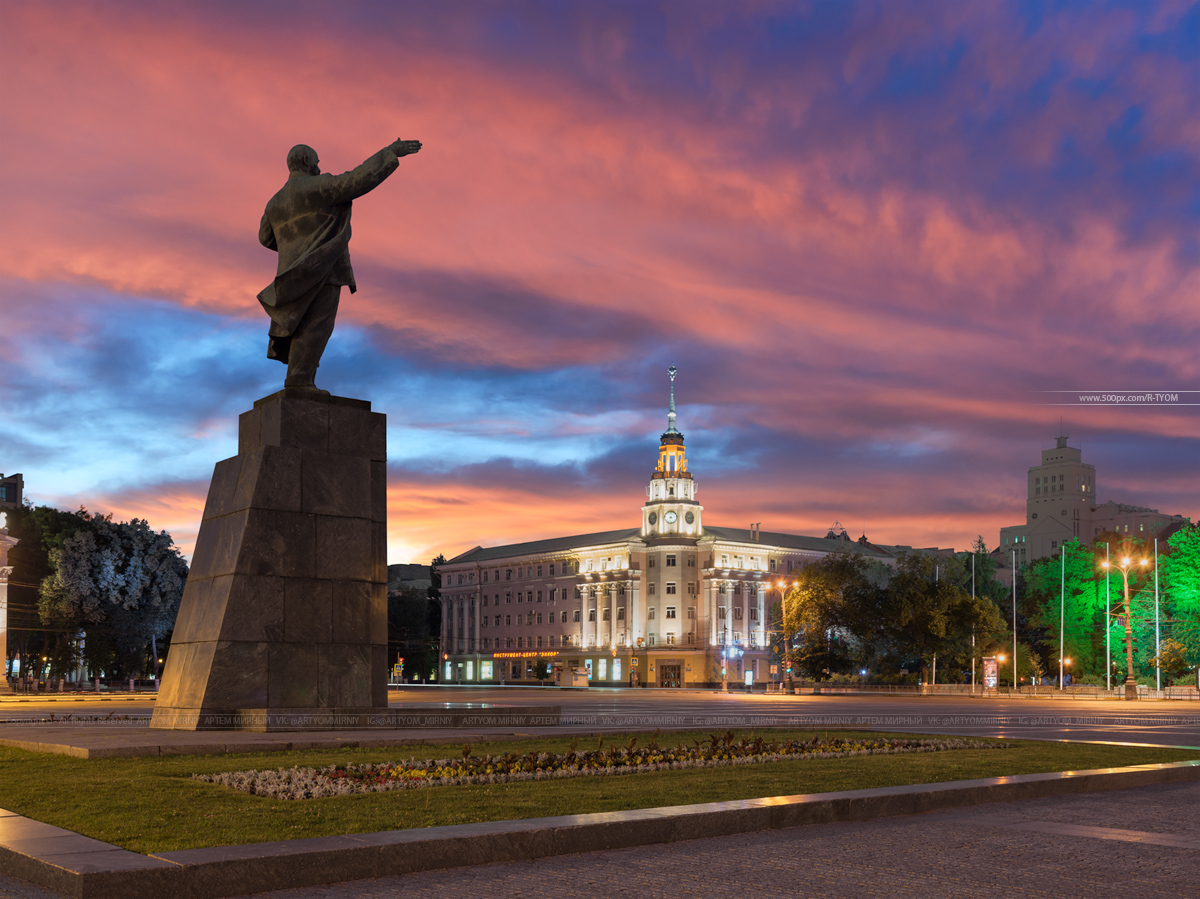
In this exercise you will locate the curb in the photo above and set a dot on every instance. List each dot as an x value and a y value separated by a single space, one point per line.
78 697
90 869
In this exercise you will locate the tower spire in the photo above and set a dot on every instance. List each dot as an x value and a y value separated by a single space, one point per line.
671 414
1061 438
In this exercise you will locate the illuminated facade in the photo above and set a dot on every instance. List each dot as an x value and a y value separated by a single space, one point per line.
671 603
1061 506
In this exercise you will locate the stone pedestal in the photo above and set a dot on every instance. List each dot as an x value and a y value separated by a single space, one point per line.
283 623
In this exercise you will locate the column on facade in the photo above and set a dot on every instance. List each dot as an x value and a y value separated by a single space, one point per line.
583 610
709 588
458 624
746 588
601 597
762 617
612 615
634 623
477 602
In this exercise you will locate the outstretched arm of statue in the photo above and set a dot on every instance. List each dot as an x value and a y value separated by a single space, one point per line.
335 189
404 147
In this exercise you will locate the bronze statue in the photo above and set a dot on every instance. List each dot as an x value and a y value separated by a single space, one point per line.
308 224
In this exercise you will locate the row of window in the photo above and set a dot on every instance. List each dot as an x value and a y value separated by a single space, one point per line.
552 569
523 596
554 641
531 618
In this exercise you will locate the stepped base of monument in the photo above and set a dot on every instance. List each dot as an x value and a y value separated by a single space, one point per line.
284 720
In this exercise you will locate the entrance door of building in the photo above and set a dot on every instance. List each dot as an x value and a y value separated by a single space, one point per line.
670 675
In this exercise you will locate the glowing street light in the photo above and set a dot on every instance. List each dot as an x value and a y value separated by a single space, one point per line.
1124 567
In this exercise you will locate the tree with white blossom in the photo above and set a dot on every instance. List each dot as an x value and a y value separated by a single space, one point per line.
118 585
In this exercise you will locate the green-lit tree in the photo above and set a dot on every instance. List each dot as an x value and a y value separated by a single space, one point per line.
1073 578
1179 582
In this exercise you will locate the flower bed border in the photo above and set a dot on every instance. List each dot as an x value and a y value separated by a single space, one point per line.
299 783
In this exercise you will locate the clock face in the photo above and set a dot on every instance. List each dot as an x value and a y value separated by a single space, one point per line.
670 517
654 518
690 518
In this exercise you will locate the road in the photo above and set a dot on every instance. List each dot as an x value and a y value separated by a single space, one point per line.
1161 723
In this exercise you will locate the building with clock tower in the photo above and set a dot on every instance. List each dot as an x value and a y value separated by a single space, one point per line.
672 603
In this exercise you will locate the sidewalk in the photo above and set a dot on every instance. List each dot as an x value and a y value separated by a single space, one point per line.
1135 843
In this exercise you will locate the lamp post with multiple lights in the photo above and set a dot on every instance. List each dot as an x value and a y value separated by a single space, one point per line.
1124 567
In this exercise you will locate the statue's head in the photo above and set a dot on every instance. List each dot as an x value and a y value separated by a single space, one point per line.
303 158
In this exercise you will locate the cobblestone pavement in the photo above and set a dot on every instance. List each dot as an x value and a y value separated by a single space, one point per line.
11 888
1143 842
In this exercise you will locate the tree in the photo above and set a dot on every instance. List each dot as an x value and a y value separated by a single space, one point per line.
120 583
1179 580
435 607
40 530
828 611
930 615
1082 617
412 630
986 566
1171 658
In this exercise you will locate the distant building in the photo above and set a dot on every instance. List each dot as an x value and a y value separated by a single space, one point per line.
1061 506
12 491
409 576
670 603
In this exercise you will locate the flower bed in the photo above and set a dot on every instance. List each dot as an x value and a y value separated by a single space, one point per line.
719 750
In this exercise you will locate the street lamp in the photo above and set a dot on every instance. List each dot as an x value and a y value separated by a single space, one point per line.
783 587
1000 659
1062 663
1125 565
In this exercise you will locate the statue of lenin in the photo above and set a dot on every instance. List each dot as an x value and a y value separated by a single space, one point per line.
308 223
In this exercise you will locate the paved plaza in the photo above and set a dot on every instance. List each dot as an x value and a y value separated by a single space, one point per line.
1131 843
1127 843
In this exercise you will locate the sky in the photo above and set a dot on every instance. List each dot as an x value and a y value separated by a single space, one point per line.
885 244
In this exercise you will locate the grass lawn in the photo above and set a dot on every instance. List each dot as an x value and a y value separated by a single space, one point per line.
153 805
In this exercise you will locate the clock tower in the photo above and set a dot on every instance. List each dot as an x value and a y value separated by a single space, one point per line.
671 508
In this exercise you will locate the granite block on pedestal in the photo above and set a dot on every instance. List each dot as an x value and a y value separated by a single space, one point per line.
285 607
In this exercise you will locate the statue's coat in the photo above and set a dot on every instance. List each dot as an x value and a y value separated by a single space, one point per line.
308 223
